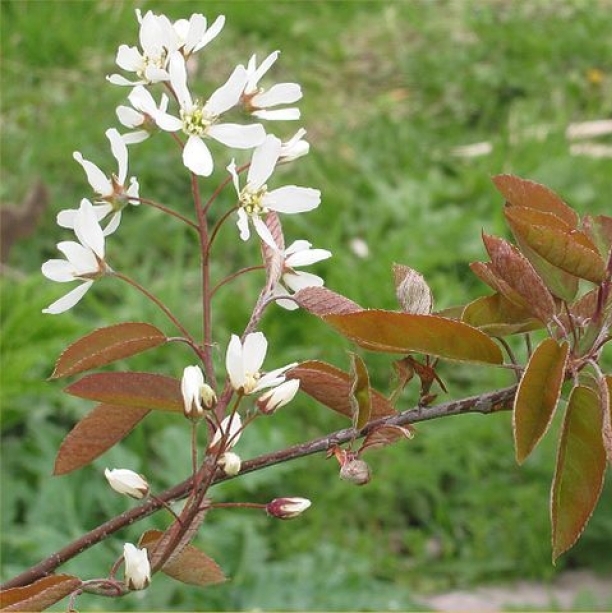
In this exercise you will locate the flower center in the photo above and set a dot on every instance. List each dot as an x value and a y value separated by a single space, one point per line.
196 121
250 382
252 201
148 60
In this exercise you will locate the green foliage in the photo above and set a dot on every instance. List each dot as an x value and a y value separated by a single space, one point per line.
390 90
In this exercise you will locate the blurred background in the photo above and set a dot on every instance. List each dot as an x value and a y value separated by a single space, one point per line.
410 108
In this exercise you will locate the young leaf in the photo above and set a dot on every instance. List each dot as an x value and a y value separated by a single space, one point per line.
360 393
412 291
509 264
606 397
579 474
39 595
107 345
190 566
98 431
322 301
392 332
537 395
522 192
130 389
565 247
599 229
384 436
497 316
331 387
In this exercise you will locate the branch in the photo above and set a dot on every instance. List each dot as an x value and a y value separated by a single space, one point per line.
486 403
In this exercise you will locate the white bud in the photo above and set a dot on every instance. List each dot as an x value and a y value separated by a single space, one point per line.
197 395
278 396
230 430
137 567
127 482
230 462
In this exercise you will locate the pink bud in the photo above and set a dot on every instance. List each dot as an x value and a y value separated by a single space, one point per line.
287 508
127 482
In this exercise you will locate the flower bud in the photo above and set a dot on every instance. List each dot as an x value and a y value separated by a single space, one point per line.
230 462
230 430
287 508
355 471
197 395
278 396
127 482
137 567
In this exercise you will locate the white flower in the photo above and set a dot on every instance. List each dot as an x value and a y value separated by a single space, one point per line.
278 396
199 121
299 254
127 482
243 362
257 100
295 147
197 395
84 260
112 194
230 462
157 38
137 567
139 117
230 431
287 508
192 35
254 198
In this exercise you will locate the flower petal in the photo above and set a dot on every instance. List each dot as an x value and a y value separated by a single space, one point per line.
263 161
197 157
234 363
178 79
243 225
237 135
281 93
96 178
292 199
299 280
254 351
120 153
88 230
264 232
290 114
69 300
229 93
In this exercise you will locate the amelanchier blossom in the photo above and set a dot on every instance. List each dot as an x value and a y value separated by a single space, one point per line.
137 567
193 34
257 100
157 37
197 394
254 199
139 116
201 121
112 195
230 431
287 508
243 362
84 260
299 254
127 482
278 396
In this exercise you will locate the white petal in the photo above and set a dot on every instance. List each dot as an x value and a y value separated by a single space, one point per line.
191 31
258 73
211 33
178 80
254 351
129 117
234 363
264 232
69 300
120 153
263 161
96 178
60 271
231 168
292 199
140 98
281 93
117 79
299 280
153 74
113 224
197 157
88 230
238 136
243 225
129 58
81 259
290 114
229 93
306 257
231 427
132 138
167 122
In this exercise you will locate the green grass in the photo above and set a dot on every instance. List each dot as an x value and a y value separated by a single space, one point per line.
391 88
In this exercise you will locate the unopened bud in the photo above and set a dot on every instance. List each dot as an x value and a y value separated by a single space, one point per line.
137 567
197 395
355 471
278 396
230 462
287 508
127 482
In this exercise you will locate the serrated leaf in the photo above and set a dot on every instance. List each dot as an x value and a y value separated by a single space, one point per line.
509 264
522 192
566 248
97 432
484 271
537 395
107 345
190 566
360 395
412 291
497 316
384 436
392 332
579 474
39 595
130 389
322 301
331 387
